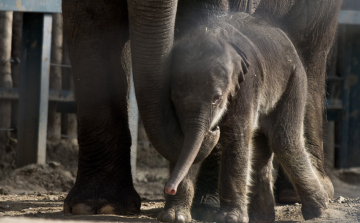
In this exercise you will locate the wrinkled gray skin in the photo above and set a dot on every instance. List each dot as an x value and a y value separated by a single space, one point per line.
254 79
96 33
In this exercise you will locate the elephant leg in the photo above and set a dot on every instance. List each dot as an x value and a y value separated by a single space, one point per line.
292 156
235 172
313 127
314 143
206 202
315 136
262 202
285 192
96 32
285 129
314 49
177 207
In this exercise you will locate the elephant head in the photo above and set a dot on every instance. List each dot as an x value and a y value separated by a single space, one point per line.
152 34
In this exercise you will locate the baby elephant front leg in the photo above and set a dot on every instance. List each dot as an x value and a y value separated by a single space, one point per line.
177 207
234 179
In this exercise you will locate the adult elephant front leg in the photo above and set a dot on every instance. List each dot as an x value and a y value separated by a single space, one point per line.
96 32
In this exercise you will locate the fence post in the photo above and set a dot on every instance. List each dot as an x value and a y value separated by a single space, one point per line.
54 118
6 19
34 88
15 67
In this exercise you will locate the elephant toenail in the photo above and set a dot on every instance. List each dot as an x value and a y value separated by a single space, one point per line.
180 219
168 217
220 218
108 209
82 209
231 219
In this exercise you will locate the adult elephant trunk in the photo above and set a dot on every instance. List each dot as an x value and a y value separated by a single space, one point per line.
152 34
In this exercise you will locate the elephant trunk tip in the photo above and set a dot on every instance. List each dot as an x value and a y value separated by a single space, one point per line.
170 189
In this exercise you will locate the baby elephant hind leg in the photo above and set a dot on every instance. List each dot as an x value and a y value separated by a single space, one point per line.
262 202
286 139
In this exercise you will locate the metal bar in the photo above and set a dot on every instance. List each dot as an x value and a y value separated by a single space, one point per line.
8 129
34 88
11 60
12 93
349 17
345 117
54 95
334 104
334 78
60 65
45 6
61 96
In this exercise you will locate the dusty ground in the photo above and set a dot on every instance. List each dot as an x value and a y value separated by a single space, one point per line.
35 193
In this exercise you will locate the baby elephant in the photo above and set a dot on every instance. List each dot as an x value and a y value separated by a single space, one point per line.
245 76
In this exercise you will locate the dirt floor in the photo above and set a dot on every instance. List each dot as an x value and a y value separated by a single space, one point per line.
35 193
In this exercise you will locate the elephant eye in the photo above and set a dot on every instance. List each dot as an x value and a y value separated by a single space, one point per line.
217 99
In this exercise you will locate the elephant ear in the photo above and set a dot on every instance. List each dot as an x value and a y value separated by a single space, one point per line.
243 62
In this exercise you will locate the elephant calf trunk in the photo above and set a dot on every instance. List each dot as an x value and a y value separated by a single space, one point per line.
186 159
190 150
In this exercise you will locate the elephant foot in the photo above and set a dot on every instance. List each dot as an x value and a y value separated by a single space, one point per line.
98 198
204 213
175 214
226 216
328 186
314 205
206 204
288 195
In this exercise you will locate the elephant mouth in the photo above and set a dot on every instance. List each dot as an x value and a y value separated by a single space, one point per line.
211 139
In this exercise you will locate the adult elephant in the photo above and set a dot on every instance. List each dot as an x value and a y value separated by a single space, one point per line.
96 32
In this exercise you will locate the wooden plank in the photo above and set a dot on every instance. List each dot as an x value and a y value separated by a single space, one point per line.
34 88
349 17
54 118
15 67
6 82
54 95
45 6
